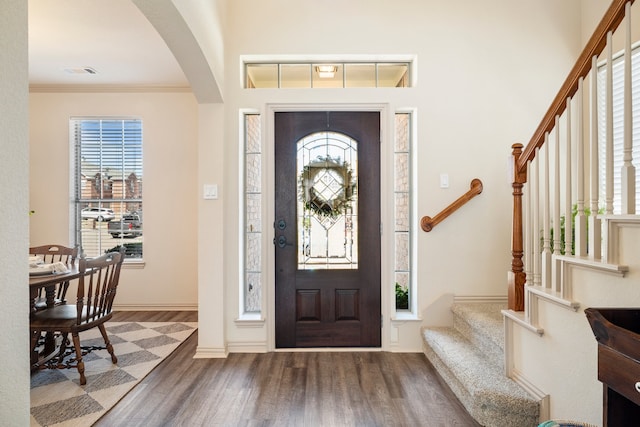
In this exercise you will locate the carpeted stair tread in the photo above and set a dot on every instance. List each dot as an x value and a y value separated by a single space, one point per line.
480 384
483 325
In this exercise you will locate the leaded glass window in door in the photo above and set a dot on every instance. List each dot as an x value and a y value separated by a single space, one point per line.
327 208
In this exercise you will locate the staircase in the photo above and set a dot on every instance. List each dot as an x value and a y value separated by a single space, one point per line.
508 366
470 358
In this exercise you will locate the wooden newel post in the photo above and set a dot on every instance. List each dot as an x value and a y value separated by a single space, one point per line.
517 276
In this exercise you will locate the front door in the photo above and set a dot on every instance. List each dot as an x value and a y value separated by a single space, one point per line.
327 229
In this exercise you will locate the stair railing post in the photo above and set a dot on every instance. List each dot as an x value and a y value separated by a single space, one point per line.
517 276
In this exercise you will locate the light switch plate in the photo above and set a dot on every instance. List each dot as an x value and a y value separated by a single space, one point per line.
444 180
210 191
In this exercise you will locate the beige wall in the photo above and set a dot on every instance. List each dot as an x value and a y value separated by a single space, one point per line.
170 120
592 13
486 74
14 194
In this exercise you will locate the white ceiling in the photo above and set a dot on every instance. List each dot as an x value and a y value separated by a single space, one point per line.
111 36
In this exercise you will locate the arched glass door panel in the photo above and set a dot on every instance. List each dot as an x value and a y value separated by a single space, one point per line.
327 208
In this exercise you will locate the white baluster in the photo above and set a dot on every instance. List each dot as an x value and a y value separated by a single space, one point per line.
581 220
556 280
527 246
568 206
628 173
609 130
557 231
546 241
595 247
535 189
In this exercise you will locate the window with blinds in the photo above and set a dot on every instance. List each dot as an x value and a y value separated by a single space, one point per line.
107 185
618 125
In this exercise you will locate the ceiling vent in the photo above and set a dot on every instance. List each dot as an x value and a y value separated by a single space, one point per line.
80 70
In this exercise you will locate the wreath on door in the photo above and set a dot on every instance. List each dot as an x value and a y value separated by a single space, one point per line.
313 186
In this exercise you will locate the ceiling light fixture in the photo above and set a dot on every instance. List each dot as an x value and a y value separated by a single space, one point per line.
326 71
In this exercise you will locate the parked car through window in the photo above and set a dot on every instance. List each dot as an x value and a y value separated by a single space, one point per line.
98 214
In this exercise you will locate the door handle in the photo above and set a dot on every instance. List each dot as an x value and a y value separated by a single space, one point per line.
281 241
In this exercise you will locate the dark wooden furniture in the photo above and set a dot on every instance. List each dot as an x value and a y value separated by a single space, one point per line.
617 331
51 254
97 286
48 283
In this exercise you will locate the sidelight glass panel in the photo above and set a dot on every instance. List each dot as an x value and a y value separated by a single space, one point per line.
252 288
401 181
327 208
402 251
402 199
403 219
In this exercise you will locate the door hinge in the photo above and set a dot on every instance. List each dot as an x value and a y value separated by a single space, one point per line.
381 321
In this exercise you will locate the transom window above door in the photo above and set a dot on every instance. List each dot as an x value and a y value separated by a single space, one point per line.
325 73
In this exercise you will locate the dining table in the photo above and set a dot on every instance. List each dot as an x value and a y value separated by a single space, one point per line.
49 282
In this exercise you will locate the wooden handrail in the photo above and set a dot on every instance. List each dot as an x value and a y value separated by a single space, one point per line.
596 44
521 157
427 223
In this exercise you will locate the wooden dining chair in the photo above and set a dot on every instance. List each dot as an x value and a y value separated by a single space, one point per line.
97 288
51 254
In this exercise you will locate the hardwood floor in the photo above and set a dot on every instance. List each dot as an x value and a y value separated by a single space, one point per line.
286 389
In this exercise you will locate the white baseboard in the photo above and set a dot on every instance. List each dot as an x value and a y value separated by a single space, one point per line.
489 299
210 353
534 391
155 307
247 347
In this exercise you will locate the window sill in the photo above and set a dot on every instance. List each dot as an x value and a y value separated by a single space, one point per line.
137 264
406 317
250 320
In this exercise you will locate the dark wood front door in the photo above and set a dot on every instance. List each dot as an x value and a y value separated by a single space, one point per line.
327 229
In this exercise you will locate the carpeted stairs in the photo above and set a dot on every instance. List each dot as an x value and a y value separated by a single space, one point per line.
470 358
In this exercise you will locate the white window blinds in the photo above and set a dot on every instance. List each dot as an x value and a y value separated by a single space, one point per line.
107 184
618 125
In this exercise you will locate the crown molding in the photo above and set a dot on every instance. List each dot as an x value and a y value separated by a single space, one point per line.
106 89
